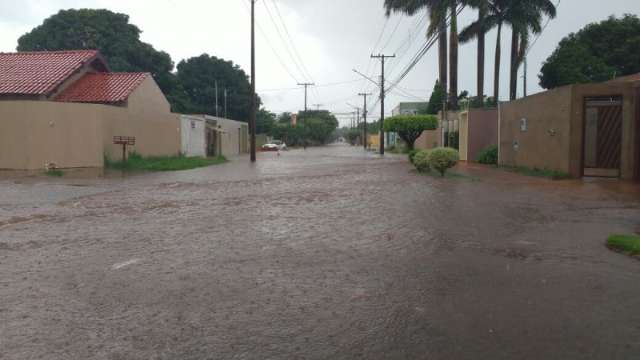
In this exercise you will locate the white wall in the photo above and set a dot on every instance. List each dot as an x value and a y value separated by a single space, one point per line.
193 136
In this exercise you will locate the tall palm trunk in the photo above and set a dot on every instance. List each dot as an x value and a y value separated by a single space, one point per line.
442 55
453 57
496 76
482 13
513 80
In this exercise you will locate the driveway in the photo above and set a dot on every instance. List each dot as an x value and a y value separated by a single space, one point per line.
328 253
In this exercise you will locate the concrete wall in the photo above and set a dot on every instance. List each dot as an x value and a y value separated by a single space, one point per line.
481 132
70 135
193 137
147 116
34 133
546 141
233 136
429 139
553 138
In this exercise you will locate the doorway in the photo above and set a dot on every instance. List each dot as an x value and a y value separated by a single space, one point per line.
602 136
212 142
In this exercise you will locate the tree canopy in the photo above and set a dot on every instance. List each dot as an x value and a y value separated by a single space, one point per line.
437 99
198 76
189 90
410 127
596 53
106 31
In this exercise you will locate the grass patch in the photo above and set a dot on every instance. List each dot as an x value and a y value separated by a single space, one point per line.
54 173
163 163
536 172
628 244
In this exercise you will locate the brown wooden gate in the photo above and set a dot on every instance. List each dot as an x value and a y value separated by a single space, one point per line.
603 136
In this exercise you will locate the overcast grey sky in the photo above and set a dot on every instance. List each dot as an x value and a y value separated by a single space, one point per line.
331 36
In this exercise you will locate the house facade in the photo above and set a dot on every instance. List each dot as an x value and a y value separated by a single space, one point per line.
204 135
64 108
588 130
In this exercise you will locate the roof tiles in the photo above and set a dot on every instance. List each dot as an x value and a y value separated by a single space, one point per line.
38 73
107 88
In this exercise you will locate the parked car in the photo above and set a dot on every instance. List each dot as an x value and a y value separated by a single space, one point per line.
275 145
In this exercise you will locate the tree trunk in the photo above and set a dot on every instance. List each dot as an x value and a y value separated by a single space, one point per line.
442 55
481 47
453 58
513 80
496 76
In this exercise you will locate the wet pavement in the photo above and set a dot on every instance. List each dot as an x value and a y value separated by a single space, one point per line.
325 254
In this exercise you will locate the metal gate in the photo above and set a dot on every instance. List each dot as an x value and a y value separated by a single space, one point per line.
603 136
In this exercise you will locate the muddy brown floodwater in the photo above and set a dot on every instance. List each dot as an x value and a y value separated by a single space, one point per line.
323 254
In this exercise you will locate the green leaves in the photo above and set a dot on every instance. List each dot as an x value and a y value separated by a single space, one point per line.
410 127
596 53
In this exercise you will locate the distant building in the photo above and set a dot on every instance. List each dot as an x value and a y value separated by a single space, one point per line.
409 108
404 108
205 135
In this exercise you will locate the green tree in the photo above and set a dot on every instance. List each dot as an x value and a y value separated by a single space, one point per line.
525 18
439 12
318 126
198 76
410 127
478 30
265 121
437 99
106 31
596 53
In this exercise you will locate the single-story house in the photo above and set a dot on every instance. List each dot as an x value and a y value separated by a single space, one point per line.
64 108
205 135
582 130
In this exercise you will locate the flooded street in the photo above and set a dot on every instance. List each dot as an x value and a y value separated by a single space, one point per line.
328 253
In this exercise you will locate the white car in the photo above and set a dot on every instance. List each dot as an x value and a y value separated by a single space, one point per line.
275 145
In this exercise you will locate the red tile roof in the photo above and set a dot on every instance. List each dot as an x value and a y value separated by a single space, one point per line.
104 88
39 73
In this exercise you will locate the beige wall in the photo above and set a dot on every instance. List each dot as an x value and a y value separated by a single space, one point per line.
546 142
555 121
70 135
34 133
147 116
429 139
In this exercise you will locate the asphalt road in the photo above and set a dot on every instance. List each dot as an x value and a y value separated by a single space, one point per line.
321 254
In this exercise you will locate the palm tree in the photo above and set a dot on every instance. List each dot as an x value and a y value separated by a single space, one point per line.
438 12
478 30
493 15
525 18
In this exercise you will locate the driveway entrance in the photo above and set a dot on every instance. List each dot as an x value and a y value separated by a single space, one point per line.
602 136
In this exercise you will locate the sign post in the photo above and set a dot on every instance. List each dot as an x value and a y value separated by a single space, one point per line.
124 141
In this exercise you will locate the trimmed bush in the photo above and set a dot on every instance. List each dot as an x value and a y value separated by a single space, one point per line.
421 161
488 156
443 159
412 154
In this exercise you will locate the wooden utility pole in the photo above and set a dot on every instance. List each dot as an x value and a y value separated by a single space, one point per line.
525 78
252 115
364 118
382 58
304 116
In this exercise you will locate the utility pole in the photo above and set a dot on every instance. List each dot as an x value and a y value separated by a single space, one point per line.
525 77
304 116
364 118
217 107
382 58
225 103
252 114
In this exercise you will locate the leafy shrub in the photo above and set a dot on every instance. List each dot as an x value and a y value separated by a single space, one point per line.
443 159
412 154
489 155
421 161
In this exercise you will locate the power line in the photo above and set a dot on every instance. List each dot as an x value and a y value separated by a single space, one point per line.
286 45
293 45
284 66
